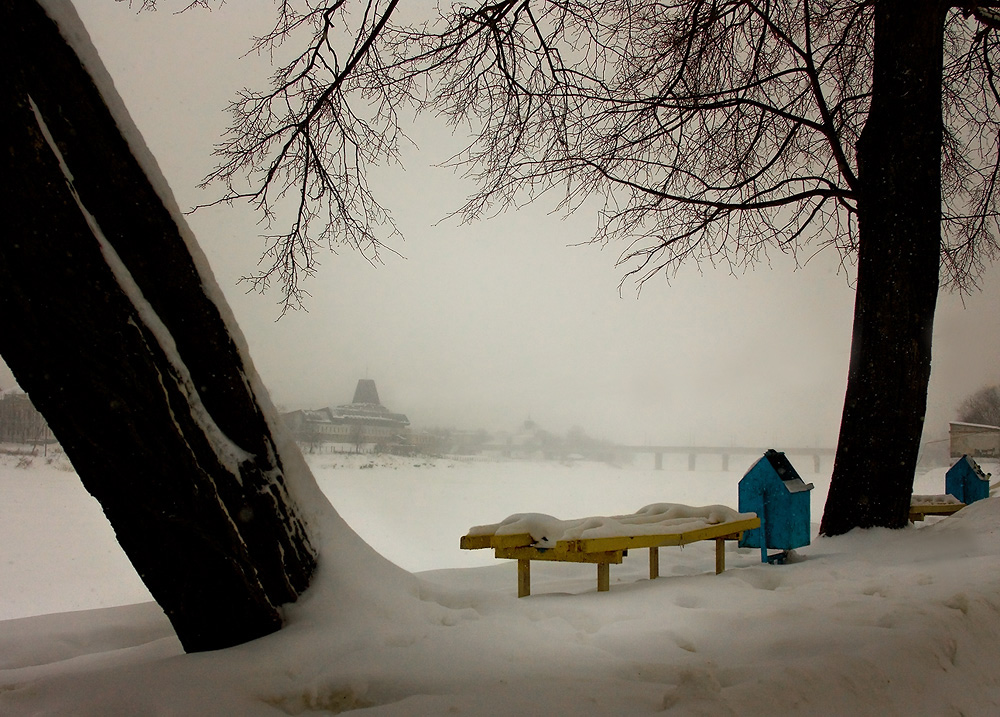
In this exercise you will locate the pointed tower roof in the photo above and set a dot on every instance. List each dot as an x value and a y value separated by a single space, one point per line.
366 408
366 392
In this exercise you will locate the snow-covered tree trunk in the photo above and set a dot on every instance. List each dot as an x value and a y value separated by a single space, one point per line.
108 324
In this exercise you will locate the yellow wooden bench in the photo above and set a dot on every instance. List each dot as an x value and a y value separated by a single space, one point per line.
923 505
604 550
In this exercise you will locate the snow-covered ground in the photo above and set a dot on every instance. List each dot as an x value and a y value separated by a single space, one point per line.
873 623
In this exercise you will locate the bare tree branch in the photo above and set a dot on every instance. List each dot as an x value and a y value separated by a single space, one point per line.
688 120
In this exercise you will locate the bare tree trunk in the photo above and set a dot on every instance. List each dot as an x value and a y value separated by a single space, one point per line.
134 368
899 157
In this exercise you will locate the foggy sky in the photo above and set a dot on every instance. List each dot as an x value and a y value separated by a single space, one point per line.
489 324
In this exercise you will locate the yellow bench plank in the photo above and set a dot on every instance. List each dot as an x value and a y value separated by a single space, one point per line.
919 511
512 541
529 553
604 551
475 542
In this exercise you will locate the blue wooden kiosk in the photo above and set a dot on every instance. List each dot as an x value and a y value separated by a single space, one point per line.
777 494
966 481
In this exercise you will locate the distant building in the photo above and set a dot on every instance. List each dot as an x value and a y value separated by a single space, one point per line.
974 440
363 425
20 421
529 441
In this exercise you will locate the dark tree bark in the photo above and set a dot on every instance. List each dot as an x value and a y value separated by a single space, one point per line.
899 210
148 394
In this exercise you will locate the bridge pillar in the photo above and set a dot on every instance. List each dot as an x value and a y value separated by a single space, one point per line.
816 462
725 461
658 461
691 459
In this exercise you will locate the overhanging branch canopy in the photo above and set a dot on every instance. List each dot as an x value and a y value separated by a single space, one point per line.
707 129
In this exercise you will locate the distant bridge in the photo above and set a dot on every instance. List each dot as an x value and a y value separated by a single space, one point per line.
725 452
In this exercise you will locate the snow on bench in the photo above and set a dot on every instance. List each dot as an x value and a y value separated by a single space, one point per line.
604 540
923 505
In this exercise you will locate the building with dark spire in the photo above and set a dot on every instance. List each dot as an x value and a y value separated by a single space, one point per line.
366 392
367 410
363 425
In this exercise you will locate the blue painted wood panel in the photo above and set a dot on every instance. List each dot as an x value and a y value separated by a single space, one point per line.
966 481
777 494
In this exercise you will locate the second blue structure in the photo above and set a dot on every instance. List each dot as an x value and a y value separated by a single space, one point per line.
774 491
966 481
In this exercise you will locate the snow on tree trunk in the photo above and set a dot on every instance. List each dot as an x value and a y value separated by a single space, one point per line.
899 157
109 326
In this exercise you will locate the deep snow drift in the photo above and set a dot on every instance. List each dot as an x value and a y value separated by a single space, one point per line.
875 622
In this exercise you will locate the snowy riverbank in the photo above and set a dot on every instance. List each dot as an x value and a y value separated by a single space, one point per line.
875 622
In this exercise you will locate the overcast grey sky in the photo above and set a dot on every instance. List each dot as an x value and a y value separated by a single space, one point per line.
486 325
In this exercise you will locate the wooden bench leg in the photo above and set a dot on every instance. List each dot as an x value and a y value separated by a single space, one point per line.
523 577
654 563
720 555
603 577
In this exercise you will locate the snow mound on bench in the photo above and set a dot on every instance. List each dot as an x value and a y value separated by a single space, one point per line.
946 499
655 519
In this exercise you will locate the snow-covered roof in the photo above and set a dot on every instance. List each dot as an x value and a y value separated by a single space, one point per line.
971 465
321 415
366 413
355 413
795 484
